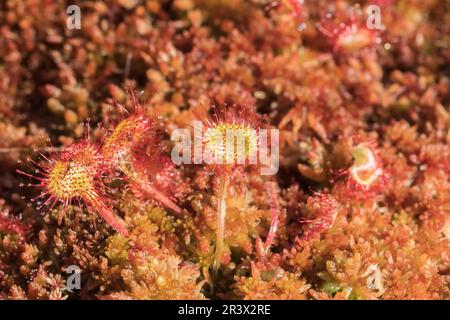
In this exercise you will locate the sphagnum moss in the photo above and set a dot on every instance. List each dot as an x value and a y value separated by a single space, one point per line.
358 210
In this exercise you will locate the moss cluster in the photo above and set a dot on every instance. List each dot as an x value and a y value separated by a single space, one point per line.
334 240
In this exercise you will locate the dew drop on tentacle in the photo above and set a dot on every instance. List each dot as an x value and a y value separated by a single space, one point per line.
301 26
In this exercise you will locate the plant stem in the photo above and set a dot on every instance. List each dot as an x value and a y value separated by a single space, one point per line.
221 218
140 180
19 149
275 216
162 198
108 215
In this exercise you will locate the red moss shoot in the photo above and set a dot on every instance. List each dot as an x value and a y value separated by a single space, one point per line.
75 176
325 208
382 3
297 7
11 225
